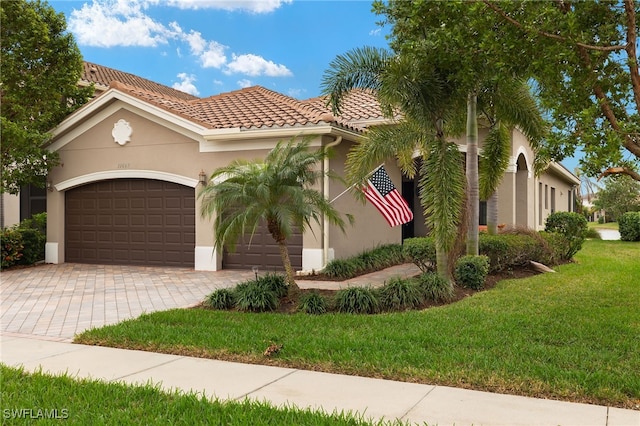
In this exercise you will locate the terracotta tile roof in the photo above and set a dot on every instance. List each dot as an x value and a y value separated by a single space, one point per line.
250 108
358 105
98 74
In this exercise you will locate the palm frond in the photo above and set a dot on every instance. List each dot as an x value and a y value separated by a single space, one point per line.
494 159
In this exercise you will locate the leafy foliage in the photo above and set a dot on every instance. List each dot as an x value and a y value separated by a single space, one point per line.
629 226
619 195
12 247
313 303
255 296
399 294
378 258
471 271
421 251
357 300
24 243
275 282
221 299
40 69
435 287
572 226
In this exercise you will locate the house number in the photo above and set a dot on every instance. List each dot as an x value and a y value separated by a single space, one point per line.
123 165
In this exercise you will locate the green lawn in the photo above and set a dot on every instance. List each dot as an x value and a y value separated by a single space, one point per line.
610 225
573 335
43 399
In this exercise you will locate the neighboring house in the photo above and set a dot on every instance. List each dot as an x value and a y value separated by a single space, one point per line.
133 161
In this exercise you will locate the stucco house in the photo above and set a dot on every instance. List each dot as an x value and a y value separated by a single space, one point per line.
134 159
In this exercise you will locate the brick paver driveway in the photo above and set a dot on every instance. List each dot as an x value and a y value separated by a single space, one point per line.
58 301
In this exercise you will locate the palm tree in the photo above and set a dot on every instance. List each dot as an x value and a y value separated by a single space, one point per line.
277 191
430 109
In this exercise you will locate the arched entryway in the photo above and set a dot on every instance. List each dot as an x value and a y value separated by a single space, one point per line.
522 191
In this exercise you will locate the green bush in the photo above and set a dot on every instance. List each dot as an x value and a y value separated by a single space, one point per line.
275 282
12 247
356 300
421 251
255 296
341 268
514 248
313 303
572 226
34 242
221 299
592 234
372 260
436 288
399 294
471 271
629 226
601 220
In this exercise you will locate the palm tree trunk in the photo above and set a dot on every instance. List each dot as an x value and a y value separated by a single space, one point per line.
286 261
492 214
473 198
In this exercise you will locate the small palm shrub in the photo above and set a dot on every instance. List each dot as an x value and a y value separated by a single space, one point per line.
471 271
399 294
313 303
275 282
254 296
375 259
356 300
221 299
435 288
629 226
572 226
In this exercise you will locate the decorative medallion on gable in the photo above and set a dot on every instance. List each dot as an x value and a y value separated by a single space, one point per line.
121 132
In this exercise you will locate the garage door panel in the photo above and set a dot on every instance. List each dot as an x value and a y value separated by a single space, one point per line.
125 221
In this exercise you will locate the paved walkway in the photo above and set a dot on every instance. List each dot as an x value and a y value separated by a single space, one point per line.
608 234
43 307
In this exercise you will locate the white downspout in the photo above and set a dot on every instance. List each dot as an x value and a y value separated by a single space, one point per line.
325 189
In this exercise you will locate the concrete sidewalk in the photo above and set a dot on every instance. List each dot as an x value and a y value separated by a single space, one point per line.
375 398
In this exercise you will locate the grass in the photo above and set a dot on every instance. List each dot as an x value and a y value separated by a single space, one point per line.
572 336
609 225
27 398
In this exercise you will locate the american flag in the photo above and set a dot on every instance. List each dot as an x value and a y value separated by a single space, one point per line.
386 198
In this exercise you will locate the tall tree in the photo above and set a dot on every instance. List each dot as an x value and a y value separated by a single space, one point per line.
620 194
447 32
430 107
39 73
584 57
277 191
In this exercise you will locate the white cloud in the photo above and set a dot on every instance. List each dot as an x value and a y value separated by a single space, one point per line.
296 93
244 83
252 6
255 65
213 56
117 23
375 32
186 84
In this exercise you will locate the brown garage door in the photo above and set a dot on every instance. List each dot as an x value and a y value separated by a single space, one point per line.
130 222
263 252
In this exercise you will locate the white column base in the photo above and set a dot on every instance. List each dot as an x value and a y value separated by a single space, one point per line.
51 253
312 259
206 259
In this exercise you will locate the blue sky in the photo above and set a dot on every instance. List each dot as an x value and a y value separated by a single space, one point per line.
208 47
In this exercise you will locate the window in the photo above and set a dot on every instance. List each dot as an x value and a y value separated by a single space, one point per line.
553 199
546 197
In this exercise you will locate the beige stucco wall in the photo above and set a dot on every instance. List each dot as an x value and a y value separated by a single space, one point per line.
10 209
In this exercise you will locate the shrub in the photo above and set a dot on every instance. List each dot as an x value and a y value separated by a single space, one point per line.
372 260
515 247
12 247
399 294
34 242
275 282
572 226
255 296
601 220
341 268
221 299
471 271
356 300
435 288
629 226
313 303
422 252
593 234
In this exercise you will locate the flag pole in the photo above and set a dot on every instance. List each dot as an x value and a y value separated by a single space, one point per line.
351 187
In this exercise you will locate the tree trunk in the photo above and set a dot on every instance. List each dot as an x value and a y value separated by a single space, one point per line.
473 197
442 264
286 262
492 214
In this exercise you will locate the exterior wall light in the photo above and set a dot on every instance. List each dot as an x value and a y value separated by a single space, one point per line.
202 177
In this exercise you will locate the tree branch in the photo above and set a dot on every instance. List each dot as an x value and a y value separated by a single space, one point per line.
629 7
502 13
620 171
